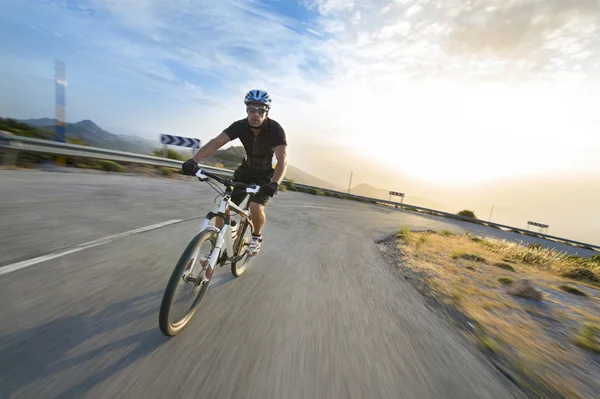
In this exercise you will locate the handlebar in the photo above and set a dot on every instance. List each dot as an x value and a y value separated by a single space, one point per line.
201 174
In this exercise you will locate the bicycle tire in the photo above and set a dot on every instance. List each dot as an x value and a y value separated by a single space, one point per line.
235 269
167 327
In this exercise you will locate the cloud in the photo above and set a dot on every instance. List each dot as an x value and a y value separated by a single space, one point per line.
345 70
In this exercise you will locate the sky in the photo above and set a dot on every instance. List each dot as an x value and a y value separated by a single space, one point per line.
450 93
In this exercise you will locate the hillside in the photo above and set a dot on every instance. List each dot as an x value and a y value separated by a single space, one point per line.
231 158
299 176
90 133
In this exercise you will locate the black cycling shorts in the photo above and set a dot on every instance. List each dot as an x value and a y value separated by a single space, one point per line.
250 176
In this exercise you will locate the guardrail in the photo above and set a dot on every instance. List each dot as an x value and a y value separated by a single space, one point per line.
10 145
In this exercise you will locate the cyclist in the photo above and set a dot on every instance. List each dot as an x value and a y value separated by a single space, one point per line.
261 137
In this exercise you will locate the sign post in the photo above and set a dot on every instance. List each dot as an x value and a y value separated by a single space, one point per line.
401 195
540 225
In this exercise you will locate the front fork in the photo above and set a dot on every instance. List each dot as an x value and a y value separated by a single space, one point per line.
223 237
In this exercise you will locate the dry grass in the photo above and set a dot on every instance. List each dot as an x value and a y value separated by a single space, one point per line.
543 258
472 274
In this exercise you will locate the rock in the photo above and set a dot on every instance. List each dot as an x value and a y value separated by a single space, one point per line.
524 288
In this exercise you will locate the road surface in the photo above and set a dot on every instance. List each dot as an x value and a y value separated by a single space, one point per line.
318 314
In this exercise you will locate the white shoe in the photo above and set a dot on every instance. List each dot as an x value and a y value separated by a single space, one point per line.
254 246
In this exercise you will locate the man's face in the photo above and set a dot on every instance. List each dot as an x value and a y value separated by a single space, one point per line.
257 113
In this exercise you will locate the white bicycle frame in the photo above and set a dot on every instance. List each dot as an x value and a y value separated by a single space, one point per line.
225 234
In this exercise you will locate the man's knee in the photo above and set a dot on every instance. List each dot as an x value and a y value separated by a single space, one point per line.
256 208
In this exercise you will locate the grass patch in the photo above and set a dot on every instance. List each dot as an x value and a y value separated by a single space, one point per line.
581 274
404 234
447 233
513 330
505 266
572 290
488 343
588 337
473 257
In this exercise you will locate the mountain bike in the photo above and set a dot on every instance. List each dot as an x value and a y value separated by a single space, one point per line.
195 267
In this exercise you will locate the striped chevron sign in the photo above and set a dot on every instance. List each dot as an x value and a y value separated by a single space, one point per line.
396 193
537 224
180 141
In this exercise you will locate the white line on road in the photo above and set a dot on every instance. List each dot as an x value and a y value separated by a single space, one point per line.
30 262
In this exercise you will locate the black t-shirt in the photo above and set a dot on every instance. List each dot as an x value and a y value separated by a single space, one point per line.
260 149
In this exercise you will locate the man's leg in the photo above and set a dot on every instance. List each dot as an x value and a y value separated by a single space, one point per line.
257 210
258 217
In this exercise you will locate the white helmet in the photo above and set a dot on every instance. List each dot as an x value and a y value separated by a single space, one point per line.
258 96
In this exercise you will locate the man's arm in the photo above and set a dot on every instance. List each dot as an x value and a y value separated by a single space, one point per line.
281 155
209 148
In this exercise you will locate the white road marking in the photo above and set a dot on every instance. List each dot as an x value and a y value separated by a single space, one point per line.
30 262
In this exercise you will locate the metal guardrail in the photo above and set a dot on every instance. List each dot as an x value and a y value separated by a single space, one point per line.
11 145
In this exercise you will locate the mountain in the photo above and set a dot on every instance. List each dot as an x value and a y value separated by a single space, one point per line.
93 135
293 173
231 158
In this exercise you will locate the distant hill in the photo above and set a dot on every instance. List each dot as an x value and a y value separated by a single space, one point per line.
90 133
299 176
231 158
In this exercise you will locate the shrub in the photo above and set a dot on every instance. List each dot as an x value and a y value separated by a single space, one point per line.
572 290
467 213
404 233
165 171
473 257
290 185
171 154
581 274
505 266
110 166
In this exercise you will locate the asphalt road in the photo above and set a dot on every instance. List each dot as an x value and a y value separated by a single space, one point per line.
318 314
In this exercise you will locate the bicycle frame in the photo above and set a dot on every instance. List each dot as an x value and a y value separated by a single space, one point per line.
225 234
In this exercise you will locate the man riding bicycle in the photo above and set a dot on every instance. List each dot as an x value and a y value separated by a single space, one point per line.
261 137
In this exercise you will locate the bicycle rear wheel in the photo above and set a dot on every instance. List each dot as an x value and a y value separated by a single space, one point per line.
171 318
239 267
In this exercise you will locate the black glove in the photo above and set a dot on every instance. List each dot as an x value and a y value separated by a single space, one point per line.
269 189
189 167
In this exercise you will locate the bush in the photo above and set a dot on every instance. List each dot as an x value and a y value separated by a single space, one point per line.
505 266
290 185
171 154
404 233
467 213
110 166
165 171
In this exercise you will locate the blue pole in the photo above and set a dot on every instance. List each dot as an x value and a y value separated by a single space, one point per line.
61 83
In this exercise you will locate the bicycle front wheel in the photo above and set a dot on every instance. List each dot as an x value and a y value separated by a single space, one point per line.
191 280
